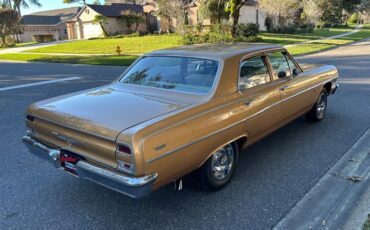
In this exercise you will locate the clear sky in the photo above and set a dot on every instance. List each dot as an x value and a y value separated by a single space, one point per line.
50 5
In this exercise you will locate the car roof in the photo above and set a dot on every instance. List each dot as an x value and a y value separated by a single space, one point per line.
218 50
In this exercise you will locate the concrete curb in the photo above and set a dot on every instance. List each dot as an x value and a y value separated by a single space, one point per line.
330 203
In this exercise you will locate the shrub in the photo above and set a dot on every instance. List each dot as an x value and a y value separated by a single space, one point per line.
269 24
355 18
43 38
248 30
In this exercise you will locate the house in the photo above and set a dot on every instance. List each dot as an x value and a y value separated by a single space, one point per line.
252 13
82 25
162 24
46 23
249 13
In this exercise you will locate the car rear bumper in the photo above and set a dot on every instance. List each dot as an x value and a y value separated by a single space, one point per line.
135 187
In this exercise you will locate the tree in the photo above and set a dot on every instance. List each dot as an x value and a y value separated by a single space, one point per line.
311 12
332 13
101 19
213 10
18 4
74 1
281 12
173 11
233 7
132 18
9 20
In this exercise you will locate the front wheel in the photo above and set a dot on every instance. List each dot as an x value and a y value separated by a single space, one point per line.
218 169
317 113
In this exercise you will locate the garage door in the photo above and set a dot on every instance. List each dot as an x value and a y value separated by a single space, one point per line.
91 30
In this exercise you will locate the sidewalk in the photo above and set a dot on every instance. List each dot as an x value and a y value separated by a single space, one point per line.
355 30
340 198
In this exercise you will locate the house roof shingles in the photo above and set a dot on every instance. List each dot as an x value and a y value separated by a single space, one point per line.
49 17
115 9
31 20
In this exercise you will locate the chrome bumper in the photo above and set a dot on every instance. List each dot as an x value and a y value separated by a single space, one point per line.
135 187
334 88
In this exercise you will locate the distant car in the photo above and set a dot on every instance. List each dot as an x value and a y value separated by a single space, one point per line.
177 111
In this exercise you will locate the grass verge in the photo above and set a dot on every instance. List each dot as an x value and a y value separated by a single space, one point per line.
139 45
123 60
329 43
286 39
19 45
128 45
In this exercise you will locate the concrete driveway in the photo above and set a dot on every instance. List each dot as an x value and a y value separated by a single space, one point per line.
272 176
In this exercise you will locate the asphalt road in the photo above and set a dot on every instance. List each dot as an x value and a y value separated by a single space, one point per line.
272 175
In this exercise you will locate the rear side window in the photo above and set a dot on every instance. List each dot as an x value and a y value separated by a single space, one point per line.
253 72
279 64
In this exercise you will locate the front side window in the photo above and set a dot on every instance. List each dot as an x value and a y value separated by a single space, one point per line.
192 75
253 72
279 64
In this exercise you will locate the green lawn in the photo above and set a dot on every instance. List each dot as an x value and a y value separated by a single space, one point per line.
20 44
132 47
285 39
140 45
329 43
128 45
122 60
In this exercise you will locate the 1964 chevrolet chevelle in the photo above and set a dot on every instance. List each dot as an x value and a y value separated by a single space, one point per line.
177 111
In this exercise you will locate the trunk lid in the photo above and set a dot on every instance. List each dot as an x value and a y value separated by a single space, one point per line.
104 112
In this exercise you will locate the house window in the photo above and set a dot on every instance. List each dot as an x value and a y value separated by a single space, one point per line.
87 11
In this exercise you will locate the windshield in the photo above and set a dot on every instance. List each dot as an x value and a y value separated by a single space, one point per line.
193 75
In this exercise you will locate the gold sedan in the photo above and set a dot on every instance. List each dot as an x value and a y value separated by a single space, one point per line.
177 111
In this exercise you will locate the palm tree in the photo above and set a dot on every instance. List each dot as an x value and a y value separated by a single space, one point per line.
18 4
101 19
74 1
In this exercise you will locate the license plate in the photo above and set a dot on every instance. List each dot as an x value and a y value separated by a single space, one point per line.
68 162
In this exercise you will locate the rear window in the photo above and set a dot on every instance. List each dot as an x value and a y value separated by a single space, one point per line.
192 75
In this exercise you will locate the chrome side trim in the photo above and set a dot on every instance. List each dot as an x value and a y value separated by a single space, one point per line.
211 134
194 142
249 117
312 87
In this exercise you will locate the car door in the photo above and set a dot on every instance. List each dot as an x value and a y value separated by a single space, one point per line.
295 96
260 95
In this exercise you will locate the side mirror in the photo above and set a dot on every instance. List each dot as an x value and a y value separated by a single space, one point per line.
295 72
282 74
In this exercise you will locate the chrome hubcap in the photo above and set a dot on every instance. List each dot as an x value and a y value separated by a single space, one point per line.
321 106
222 162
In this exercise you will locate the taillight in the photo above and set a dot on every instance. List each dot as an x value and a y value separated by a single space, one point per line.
124 149
125 159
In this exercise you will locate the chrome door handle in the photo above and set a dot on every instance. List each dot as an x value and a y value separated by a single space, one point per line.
249 103
284 88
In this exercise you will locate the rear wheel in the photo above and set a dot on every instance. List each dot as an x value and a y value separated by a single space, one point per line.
317 113
218 169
